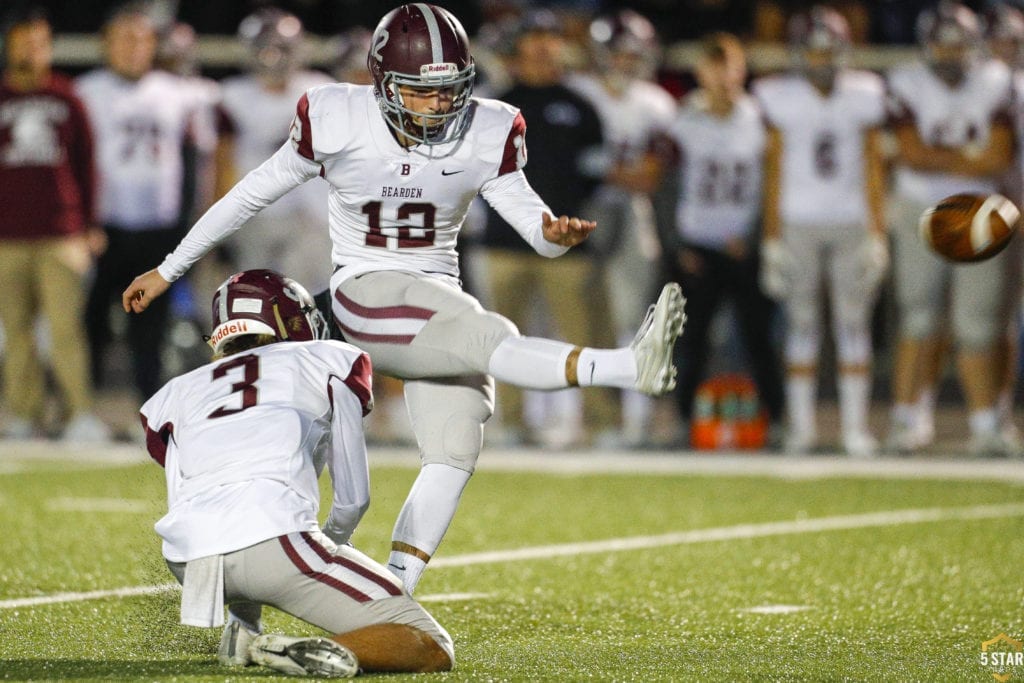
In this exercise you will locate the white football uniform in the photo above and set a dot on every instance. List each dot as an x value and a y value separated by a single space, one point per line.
244 439
823 144
630 123
289 236
139 127
948 117
720 172
394 216
823 203
956 117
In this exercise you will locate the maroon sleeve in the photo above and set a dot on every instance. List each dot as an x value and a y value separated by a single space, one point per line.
514 157
360 382
156 440
225 124
82 158
302 132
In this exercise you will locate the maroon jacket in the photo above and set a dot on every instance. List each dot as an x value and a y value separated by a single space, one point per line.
47 178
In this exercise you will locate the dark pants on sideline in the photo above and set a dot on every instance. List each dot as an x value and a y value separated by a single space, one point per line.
130 253
705 289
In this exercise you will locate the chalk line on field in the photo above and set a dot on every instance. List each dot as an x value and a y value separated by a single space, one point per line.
728 533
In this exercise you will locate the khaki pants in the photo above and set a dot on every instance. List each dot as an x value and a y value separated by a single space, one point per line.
574 295
44 277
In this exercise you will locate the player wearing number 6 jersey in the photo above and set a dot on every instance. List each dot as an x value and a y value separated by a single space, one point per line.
824 190
404 159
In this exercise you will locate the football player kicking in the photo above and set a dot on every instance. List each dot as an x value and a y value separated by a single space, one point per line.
243 441
401 185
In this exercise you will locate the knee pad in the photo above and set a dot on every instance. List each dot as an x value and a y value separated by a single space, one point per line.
802 344
449 418
853 344
976 331
919 323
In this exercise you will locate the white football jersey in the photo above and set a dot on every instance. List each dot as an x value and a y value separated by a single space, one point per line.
823 180
260 120
629 121
721 163
390 208
948 117
244 439
140 128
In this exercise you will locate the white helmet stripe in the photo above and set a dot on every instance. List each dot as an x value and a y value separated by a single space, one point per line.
222 303
434 30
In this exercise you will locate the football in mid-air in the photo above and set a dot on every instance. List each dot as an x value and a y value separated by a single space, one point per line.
969 227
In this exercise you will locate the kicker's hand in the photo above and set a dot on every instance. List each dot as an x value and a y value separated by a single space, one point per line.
565 231
143 289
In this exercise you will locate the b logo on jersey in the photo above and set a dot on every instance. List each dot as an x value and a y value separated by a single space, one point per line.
406 169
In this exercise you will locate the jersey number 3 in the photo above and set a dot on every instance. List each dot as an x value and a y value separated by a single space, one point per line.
402 237
250 365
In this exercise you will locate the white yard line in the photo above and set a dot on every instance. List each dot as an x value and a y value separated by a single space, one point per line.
728 533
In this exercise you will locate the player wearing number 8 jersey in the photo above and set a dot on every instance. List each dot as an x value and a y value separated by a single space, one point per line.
824 189
404 158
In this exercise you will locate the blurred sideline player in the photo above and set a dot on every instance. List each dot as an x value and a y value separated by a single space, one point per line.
710 206
144 121
823 218
405 157
243 441
1004 33
634 115
951 123
257 108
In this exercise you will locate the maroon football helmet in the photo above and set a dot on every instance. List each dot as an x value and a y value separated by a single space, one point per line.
821 28
264 302
422 46
274 39
628 35
1004 30
950 36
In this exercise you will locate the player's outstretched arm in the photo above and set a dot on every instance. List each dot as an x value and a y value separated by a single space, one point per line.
143 290
565 231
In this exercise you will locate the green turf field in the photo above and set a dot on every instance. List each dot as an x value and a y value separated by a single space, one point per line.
738 573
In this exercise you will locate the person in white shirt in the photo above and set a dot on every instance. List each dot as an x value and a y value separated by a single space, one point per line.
951 121
404 158
143 120
243 441
710 211
824 219
257 109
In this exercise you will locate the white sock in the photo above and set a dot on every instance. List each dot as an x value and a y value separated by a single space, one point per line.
985 421
925 413
535 363
854 399
607 368
425 516
902 414
801 391
406 567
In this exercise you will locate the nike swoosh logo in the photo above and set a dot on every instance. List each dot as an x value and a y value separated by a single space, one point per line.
444 172
592 372
392 564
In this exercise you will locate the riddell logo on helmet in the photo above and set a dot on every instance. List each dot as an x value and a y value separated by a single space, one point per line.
234 327
439 69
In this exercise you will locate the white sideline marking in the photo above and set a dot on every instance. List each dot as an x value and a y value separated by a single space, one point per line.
127 592
727 533
99 505
776 609
740 531
452 597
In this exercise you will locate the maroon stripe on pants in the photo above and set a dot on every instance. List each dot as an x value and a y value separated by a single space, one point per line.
383 311
390 586
325 579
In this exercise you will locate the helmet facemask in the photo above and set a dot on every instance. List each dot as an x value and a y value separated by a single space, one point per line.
455 87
